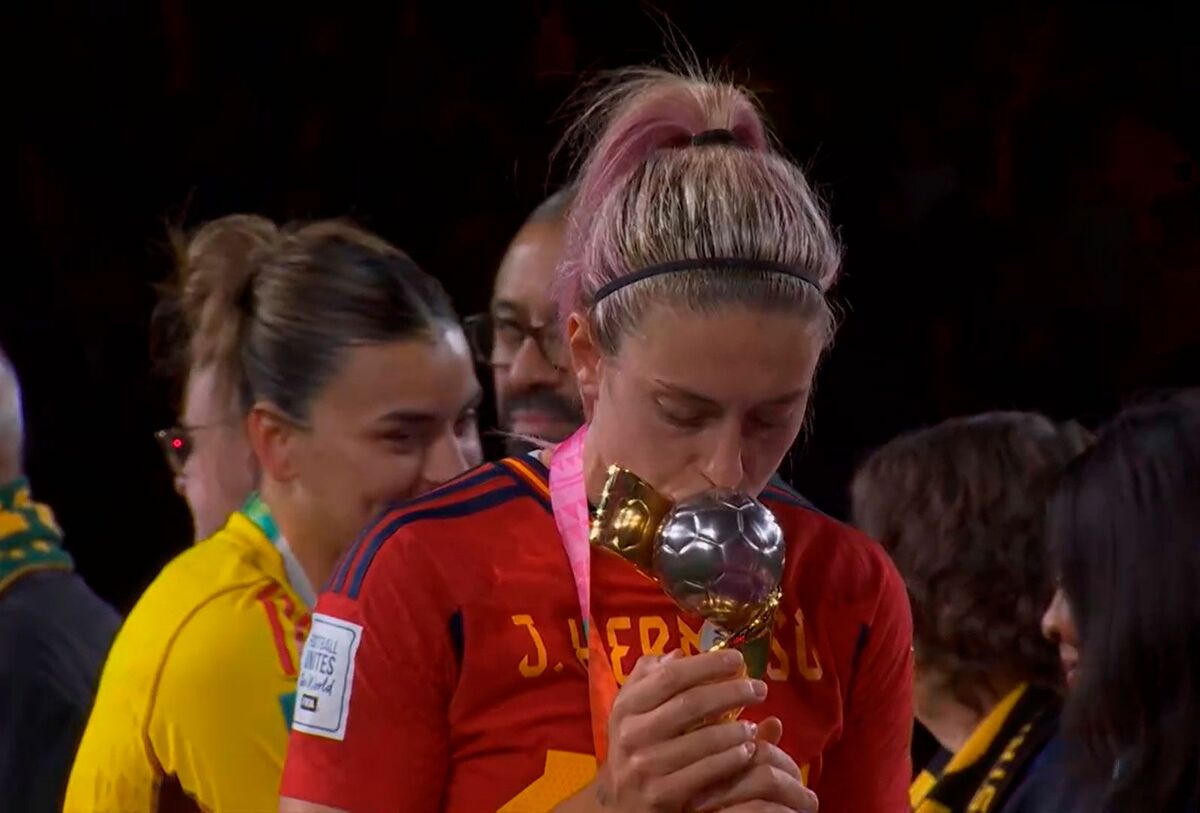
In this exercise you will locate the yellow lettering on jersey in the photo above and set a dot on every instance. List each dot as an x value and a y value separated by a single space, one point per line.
778 664
689 639
531 670
806 659
619 651
565 775
657 625
581 650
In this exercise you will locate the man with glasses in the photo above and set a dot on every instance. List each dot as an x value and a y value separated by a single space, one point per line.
209 456
520 339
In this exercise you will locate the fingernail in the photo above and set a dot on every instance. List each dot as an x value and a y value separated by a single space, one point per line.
731 658
672 655
750 747
751 729
760 689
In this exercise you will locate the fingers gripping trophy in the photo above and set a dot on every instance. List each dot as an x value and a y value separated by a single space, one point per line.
718 555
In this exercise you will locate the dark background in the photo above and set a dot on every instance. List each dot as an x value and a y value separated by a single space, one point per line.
1017 185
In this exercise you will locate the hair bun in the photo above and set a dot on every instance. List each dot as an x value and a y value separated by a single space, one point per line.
220 260
217 265
644 110
634 115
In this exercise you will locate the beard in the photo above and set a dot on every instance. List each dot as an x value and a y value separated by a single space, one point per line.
558 410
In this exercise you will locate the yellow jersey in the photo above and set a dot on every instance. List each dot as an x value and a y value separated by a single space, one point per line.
196 697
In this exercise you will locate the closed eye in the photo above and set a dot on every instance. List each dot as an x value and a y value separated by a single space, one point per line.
684 418
684 423
770 421
403 440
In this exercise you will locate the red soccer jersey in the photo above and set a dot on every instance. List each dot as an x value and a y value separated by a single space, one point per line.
446 667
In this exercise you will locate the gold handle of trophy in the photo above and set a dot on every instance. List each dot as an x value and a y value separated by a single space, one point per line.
628 518
753 640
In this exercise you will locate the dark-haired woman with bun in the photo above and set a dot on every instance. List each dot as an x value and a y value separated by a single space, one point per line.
1125 541
358 389
486 649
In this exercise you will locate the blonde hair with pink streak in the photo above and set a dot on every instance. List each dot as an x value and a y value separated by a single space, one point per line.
645 195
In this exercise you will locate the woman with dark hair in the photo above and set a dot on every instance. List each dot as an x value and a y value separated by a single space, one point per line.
354 387
1125 536
487 645
961 509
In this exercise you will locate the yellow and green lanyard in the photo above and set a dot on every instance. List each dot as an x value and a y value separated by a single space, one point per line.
257 511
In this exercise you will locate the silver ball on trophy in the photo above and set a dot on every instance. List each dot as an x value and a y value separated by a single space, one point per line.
720 555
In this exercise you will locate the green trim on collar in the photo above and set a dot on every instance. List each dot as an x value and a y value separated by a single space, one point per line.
257 512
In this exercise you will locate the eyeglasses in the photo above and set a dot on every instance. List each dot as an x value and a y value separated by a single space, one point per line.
496 340
177 444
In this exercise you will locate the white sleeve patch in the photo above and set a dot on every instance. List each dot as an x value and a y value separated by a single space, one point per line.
326 677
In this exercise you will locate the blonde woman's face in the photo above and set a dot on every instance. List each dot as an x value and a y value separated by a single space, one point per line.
220 471
695 401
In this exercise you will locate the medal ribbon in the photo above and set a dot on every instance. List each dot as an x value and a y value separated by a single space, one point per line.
568 498
257 512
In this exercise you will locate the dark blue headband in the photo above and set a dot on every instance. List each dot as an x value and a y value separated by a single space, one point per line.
724 263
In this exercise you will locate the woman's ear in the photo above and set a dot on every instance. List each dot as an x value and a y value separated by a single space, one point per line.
585 360
273 439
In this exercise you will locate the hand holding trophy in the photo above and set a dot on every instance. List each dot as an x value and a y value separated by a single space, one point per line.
719 555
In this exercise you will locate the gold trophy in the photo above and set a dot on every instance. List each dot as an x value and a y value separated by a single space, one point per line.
718 555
